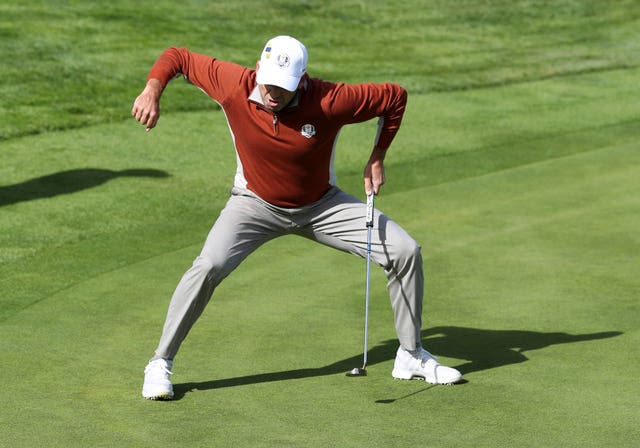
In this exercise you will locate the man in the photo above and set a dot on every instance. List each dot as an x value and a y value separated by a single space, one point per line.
284 126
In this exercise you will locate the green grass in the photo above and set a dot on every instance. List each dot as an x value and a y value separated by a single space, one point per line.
81 61
516 169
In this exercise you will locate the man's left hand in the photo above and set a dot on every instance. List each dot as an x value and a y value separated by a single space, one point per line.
374 172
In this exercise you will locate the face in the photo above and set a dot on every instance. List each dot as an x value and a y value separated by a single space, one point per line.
274 98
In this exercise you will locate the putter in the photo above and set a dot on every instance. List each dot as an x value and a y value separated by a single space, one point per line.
362 371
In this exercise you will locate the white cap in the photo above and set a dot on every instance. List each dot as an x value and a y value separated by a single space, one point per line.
282 63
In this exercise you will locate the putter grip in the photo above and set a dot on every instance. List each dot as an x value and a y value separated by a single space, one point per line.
370 210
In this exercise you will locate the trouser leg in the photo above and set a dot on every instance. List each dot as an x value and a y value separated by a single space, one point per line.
339 222
243 226
405 277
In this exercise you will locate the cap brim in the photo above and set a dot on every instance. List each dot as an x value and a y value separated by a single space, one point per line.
274 77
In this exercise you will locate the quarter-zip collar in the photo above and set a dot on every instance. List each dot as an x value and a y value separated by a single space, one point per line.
256 98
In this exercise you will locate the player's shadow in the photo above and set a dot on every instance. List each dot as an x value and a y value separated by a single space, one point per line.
482 350
66 182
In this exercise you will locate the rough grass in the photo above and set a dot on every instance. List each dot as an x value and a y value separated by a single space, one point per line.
74 63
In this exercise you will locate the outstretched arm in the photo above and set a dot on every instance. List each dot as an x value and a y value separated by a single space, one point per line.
146 107
202 71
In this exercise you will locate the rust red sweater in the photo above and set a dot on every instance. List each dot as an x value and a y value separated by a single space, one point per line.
286 158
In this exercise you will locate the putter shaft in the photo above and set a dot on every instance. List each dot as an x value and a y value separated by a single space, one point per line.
369 222
368 279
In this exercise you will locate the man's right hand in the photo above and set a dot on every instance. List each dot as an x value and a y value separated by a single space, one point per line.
146 108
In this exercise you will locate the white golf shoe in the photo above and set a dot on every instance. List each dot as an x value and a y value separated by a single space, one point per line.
157 385
408 366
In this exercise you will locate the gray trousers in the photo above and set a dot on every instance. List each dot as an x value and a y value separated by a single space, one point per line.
337 220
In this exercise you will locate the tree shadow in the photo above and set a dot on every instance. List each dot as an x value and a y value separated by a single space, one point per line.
483 349
66 182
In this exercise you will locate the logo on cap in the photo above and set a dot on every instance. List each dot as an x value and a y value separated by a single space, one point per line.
283 60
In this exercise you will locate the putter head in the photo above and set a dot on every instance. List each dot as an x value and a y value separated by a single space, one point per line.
357 372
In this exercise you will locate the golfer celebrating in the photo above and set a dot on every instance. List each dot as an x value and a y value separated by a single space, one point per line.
284 126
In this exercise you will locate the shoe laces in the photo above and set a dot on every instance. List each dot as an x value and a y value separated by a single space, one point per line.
426 356
159 367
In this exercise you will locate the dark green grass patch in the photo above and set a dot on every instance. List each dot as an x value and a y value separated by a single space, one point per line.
73 63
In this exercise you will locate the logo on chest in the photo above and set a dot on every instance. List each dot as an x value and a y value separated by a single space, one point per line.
308 130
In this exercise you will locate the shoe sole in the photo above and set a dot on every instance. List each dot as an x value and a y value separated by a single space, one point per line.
160 397
163 396
401 374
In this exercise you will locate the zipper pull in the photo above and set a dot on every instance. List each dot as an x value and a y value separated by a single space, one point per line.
275 123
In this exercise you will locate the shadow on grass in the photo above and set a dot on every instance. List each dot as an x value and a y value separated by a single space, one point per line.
488 349
483 349
66 182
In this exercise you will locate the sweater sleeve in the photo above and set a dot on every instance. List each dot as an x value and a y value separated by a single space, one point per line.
216 78
355 103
